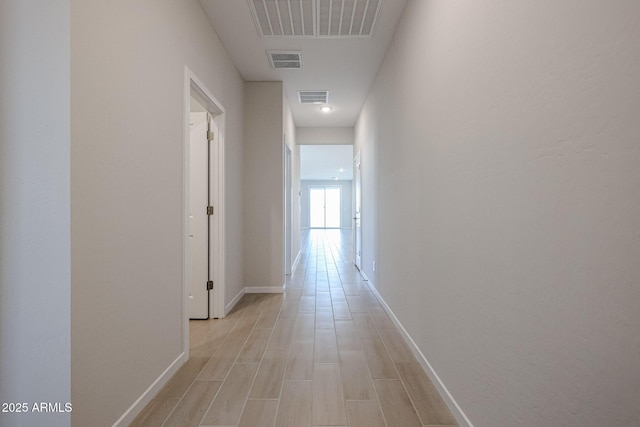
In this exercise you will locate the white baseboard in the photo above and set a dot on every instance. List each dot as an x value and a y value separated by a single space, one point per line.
264 289
296 262
150 392
455 409
233 302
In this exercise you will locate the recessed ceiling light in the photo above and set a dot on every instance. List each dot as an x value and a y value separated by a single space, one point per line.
326 109
341 170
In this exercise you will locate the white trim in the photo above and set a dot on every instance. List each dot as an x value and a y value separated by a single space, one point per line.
233 302
146 397
296 262
455 409
264 289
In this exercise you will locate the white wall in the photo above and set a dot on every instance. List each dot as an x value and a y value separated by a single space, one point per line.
264 185
500 152
127 66
325 136
35 278
346 205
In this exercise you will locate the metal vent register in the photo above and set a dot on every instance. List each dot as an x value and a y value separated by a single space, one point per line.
316 18
313 96
285 59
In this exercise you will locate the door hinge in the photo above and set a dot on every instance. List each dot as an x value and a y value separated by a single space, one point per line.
210 210
209 136
209 285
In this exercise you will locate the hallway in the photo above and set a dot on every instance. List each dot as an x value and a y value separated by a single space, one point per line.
325 353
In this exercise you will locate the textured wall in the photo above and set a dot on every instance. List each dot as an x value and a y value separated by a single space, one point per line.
500 153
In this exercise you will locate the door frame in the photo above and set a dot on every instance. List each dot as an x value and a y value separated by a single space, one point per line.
193 86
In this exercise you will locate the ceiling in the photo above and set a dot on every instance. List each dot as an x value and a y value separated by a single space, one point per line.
326 162
343 65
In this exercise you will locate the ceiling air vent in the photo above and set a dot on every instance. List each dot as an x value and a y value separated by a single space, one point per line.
285 59
313 96
315 18
284 17
347 18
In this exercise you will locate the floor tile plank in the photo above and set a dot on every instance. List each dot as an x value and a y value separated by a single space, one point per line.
324 317
328 396
295 404
282 333
364 414
226 408
193 405
347 337
364 325
259 413
255 346
267 319
304 327
396 405
181 381
156 412
326 347
355 375
300 362
378 359
426 399
341 310
222 360
396 346
270 375
245 325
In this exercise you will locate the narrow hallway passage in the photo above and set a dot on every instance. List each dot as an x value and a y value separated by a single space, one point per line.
325 353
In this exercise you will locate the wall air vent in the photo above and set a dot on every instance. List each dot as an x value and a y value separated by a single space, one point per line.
313 96
315 18
285 59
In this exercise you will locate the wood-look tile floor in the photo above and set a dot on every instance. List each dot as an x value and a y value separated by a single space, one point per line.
324 353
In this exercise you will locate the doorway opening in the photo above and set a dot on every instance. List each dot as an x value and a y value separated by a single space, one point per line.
287 209
324 206
203 211
200 127
357 226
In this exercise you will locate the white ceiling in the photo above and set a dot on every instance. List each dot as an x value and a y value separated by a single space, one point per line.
346 66
324 162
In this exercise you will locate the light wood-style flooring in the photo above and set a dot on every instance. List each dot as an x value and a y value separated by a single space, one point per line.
324 353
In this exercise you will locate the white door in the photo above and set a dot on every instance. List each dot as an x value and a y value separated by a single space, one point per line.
356 218
198 218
